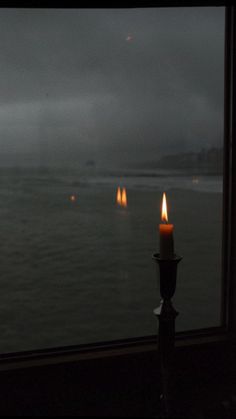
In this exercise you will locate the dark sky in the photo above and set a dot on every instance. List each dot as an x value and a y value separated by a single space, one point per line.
114 85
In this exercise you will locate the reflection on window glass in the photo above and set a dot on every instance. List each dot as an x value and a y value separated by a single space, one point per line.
102 110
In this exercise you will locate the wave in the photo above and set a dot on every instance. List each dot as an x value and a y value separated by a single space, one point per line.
58 179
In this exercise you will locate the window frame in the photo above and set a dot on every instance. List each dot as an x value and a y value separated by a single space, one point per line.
214 335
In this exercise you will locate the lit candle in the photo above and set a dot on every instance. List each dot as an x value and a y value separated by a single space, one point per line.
166 233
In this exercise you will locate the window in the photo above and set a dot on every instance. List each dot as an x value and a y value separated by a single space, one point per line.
94 100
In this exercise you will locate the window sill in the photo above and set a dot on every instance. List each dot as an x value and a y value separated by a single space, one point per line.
185 340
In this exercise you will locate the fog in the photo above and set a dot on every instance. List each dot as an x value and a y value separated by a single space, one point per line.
120 86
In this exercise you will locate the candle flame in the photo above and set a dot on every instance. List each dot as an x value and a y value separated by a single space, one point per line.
164 215
121 197
118 196
124 202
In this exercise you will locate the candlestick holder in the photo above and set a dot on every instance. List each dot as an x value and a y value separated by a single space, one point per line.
166 315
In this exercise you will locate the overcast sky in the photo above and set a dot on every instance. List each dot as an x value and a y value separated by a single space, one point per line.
112 85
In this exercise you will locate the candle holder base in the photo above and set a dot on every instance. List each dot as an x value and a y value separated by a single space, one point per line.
166 315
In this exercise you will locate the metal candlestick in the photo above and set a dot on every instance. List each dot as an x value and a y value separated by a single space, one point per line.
166 316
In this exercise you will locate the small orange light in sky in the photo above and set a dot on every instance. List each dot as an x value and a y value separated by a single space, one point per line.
72 198
164 215
129 38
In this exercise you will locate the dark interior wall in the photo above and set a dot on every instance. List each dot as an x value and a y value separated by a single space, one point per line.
120 385
123 385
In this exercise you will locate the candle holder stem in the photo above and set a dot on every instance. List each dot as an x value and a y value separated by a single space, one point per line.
166 315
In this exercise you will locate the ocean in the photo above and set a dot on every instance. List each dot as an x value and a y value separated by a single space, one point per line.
77 268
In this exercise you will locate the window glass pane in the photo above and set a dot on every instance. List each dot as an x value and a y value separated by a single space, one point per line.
92 100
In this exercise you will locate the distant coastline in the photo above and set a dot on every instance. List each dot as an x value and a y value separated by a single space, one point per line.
206 161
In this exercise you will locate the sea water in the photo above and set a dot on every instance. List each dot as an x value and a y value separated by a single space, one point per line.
79 270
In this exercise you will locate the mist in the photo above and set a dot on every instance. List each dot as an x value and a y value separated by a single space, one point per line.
119 86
